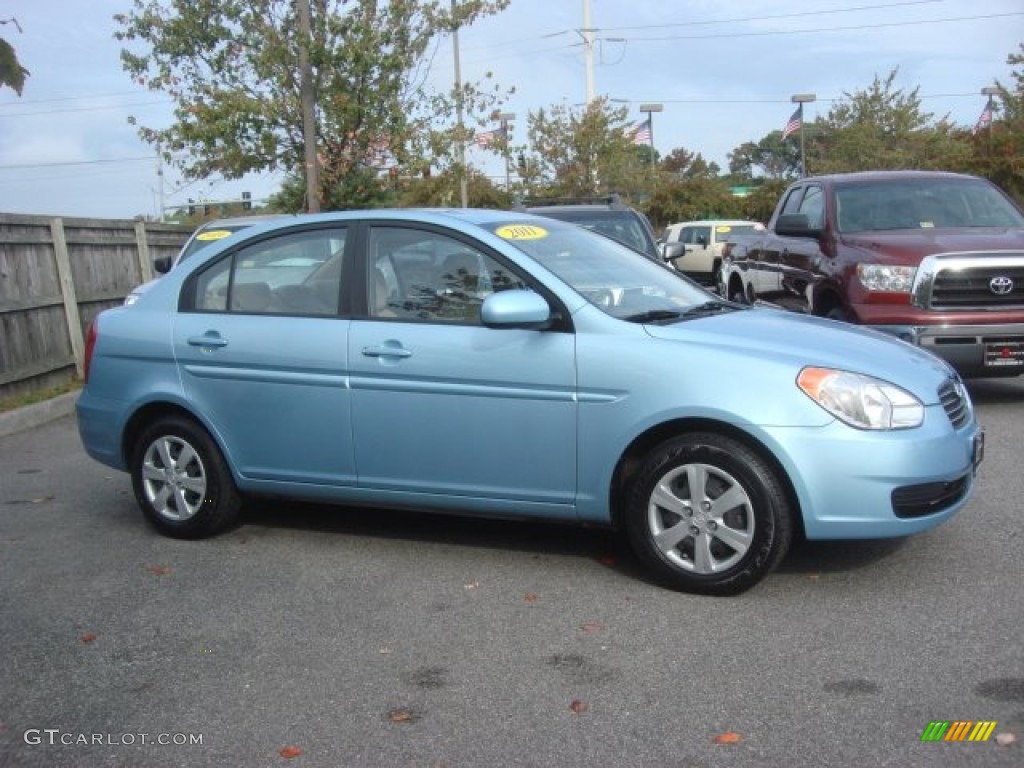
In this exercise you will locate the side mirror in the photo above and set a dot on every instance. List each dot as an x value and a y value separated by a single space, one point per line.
796 225
674 251
517 308
162 264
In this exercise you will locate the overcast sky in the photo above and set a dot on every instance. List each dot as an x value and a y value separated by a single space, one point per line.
723 69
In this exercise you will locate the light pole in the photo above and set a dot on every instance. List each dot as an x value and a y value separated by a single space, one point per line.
506 119
801 99
990 105
650 109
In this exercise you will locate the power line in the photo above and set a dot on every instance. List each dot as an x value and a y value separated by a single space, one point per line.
77 162
86 109
879 25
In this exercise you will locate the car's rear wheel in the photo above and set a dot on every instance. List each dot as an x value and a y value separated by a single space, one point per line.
707 514
181 481
736 292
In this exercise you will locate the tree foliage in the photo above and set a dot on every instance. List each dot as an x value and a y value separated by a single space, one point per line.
582 152
881 127
776 158
231 66
12 73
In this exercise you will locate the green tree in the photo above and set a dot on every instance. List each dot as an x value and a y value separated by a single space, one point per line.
583 152
775 158
998 149
882 127
12 74
676 199
683 164
231 66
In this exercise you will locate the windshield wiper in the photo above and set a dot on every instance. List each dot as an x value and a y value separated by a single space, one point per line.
653 316
709 308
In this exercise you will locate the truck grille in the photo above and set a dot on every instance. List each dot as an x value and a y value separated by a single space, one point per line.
972 287
954 402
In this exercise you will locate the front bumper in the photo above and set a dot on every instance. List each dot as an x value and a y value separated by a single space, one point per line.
991 350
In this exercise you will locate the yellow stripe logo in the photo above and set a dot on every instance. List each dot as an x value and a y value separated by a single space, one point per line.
959 730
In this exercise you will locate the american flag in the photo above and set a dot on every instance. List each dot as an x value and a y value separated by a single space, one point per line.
641 132
487 138
795 121
985 118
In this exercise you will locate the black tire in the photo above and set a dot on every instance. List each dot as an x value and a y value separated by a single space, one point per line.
181 481
838 313
736 292
720 540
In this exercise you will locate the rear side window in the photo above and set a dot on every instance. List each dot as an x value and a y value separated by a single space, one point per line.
291 274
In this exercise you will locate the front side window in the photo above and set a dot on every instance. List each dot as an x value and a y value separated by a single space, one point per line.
611 276
813 207
427 276
291 274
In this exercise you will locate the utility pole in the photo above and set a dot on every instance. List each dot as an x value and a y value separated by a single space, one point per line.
308 107
588 50
463 185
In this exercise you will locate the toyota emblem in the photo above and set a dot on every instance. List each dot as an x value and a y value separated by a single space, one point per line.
1001 285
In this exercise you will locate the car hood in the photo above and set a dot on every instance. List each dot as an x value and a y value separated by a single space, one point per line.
779 336
910 246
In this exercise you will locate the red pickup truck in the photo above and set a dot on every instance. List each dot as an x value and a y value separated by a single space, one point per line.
934 258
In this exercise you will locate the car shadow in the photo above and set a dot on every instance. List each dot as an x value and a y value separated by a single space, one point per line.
810 557
605 546
996 391
538 537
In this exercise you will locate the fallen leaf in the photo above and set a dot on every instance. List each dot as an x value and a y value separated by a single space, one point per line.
384 651
578 707
590 626
289 752
606 560
729 737
87 637
400 716
532 597
472 585
814 576
1005 739
159 570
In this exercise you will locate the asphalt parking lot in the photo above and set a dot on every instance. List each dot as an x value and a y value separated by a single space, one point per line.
314 636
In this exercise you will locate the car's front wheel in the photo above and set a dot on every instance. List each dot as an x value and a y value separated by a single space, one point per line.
708 515
181 481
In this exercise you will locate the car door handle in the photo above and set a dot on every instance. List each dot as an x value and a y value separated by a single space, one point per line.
207 340
386 350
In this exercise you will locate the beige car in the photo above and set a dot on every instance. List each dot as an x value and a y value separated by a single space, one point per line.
695 247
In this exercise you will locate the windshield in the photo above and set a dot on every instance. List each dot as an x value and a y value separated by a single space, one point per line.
923 204
626 227
614 278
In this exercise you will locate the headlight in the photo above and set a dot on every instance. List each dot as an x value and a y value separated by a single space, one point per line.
881 277
861 401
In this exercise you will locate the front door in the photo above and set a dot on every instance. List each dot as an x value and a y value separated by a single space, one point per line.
442 405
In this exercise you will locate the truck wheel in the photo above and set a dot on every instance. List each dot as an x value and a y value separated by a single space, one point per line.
181 481
736 292
838 313
706 514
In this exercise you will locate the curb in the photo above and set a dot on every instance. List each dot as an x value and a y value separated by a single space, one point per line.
34 415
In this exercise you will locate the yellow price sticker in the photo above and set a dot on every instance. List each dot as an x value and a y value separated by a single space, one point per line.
521 232
214 234
723 228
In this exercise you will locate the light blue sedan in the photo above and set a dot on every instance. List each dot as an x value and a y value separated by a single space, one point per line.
501 364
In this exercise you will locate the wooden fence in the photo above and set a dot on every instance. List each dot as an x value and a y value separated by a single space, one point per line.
56 275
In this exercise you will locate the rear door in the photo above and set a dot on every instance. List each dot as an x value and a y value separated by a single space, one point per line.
262 351
443 406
